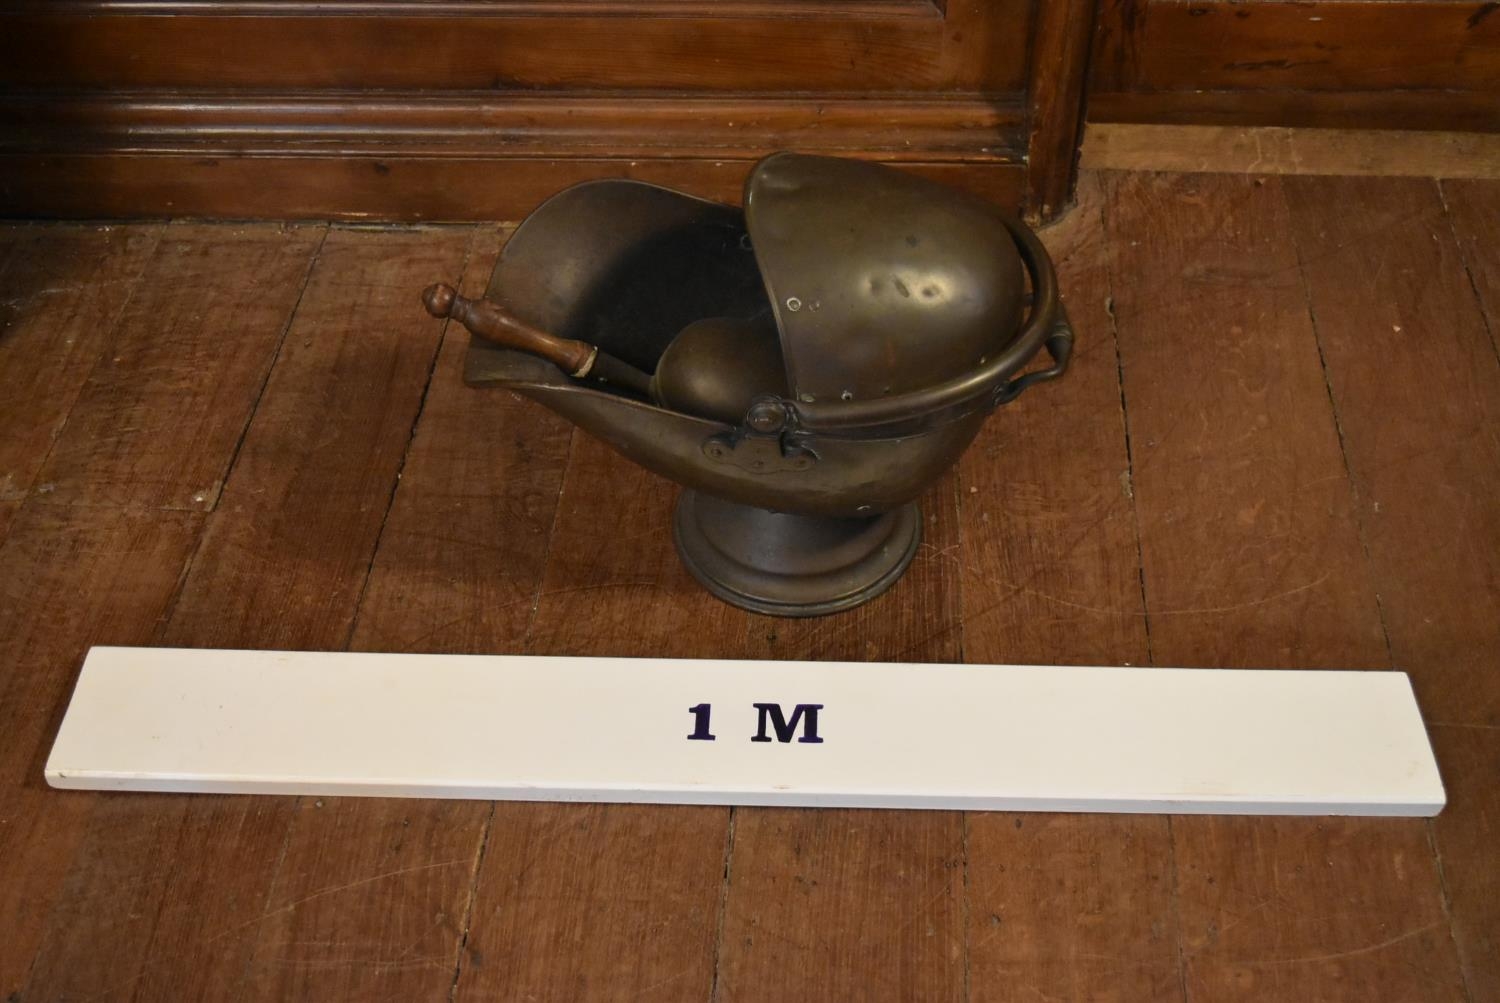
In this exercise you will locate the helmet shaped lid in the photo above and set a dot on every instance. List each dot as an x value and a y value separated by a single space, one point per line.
882 283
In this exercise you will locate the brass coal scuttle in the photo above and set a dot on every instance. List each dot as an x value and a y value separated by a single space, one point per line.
804 367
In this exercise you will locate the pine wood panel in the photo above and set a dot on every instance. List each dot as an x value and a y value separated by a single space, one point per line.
1387 280
1251 556
1066 906
69 578
160 413
838 904
63 289
611 901
281 565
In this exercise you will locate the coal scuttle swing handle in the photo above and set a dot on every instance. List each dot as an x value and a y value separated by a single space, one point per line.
1059 341
1059 345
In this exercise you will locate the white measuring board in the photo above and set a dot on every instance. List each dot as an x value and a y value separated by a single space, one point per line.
818 734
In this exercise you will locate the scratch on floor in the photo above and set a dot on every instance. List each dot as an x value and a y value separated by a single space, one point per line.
1351 953
151 963
1180 611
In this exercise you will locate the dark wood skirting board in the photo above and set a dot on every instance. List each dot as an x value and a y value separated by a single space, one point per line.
1457 111
1431 64
458 156
111 186
1239 149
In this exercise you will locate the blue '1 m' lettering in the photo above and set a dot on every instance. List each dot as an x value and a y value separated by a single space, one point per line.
771 714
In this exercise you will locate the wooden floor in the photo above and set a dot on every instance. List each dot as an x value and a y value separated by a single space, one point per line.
1279 446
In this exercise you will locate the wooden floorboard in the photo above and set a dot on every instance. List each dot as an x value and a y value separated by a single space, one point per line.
69 578
1467 834
1398 286
159 416
1251 556
8 511
1064 906
1474 213
421 854
839 904
62 289
1276 448
282 563
607 901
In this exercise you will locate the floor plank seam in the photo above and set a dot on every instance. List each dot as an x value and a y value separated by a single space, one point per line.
468 922
260 392
411 437
183 573
1362 530
1338 427
1178 933
528 638
1444 894
265 910
955 568
105 347
175 600
967 907
1135 515
300 803
1463 255
718 959
1447 900
1140 564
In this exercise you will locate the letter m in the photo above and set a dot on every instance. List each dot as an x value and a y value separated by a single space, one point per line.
770 713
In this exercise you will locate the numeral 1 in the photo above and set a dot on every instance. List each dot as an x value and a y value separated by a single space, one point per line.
700 723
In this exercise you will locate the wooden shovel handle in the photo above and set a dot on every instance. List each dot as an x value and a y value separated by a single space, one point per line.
492 322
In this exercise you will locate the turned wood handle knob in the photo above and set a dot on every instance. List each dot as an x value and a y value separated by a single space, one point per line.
492 322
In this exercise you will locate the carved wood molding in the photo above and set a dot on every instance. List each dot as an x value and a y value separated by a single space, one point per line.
909 128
